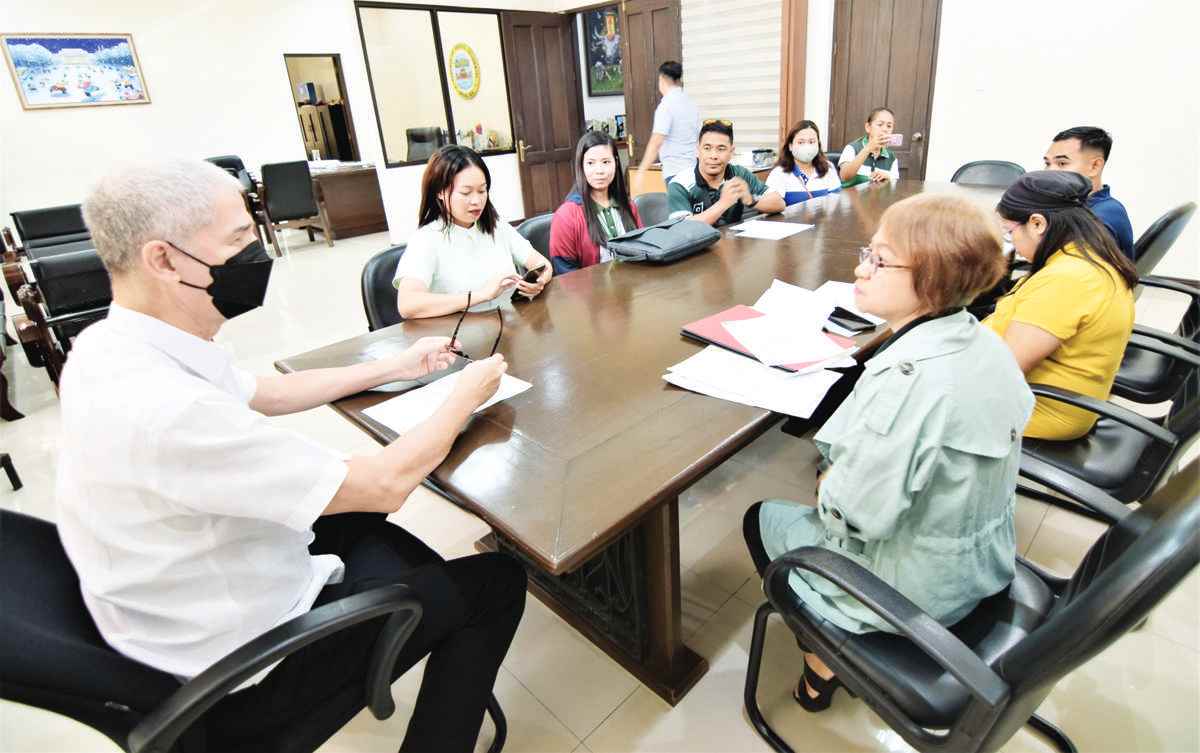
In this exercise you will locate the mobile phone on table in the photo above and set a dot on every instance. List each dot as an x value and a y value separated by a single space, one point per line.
533 274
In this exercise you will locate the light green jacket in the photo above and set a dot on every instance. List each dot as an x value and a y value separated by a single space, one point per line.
921 490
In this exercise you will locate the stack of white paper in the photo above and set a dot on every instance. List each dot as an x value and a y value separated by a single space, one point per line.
728 376
403 412
790 331
772 231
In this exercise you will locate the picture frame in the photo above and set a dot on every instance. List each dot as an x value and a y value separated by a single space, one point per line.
602 44
59 70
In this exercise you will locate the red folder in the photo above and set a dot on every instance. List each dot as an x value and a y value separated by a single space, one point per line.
709 330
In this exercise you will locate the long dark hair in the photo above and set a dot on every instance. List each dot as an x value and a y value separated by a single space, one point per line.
617 192
1061 197
443 166
788 162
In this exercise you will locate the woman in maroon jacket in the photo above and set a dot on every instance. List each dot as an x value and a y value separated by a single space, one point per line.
597 208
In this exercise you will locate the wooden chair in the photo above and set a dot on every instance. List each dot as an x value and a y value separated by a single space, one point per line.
288 201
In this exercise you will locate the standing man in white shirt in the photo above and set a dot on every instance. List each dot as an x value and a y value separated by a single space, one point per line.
196 525
676 126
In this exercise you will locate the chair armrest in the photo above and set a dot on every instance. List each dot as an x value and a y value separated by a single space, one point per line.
99 313
160 729
1153 281
928 634
1078 490
1108 410
1143 337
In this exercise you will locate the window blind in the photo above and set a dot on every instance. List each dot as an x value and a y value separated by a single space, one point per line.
731 65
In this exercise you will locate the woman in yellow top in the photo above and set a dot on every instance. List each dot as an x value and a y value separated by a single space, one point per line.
1068 322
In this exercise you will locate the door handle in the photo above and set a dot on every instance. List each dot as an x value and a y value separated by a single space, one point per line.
521 147
918 136
629 139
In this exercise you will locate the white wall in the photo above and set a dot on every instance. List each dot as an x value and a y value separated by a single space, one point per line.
818 67
215 72
601 108
1011 75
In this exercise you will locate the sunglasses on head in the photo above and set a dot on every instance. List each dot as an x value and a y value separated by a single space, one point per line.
722 121
454 336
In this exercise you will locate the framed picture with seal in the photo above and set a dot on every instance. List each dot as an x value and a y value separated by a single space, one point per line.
462 66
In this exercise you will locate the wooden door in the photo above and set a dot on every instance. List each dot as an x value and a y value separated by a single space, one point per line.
884 52
543 80
650 35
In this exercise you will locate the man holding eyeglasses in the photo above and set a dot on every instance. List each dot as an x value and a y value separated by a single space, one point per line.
717 192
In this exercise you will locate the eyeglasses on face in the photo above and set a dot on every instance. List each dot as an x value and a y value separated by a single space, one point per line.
722 121
454 336
868 257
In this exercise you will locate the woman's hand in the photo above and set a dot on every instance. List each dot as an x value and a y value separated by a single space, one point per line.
425 356
880 176
531 289
493 289
877 143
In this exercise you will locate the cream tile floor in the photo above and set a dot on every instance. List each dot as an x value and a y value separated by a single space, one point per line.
1143 694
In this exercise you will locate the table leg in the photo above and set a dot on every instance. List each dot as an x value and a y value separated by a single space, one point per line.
627 601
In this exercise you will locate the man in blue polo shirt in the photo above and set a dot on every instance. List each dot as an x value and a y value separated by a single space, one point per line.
1085 150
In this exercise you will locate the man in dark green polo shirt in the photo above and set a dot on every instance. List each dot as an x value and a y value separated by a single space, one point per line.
717 192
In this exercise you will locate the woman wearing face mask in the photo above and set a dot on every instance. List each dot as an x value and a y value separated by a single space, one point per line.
461 246
598 207
803 172
868 159
920 461
1068 321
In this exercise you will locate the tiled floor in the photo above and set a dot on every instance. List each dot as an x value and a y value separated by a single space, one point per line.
1141 695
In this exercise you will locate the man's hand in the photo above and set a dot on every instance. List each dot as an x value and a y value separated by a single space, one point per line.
735 190
425 356
480 380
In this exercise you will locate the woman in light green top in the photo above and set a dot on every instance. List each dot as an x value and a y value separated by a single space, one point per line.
921 459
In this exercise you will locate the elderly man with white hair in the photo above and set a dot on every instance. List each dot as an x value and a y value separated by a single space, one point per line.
196 525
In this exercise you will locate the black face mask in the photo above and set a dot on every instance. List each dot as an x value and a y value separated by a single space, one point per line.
239 284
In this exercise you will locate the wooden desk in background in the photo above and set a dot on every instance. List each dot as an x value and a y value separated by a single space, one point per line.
580 476
654 183
352 200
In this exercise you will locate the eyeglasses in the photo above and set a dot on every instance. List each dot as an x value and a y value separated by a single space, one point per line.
454 336
874 263
722 121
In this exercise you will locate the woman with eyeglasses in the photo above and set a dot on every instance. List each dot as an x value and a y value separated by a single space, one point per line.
461 246
1069 320
919 464
802 171
598 207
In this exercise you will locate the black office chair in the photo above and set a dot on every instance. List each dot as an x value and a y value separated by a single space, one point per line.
423 142
75 290
536 230
234 166
52 656
1153 244
289 203
378 293
1149 374
51 226
970 687
988 173
1125 455
652 207
834 158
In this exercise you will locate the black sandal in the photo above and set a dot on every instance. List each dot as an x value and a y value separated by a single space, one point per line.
823 688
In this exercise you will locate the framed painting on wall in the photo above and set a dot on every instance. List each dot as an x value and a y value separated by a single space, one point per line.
602 40
74 70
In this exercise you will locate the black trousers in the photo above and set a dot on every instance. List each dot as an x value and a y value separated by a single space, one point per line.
753 535
471 609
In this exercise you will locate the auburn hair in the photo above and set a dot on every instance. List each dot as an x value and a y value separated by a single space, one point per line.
952 247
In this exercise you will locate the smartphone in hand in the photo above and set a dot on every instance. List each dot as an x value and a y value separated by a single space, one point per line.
533 274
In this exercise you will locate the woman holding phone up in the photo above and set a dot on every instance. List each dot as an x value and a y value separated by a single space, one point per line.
868 158
462 246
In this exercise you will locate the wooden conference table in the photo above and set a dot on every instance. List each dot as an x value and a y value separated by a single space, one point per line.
580 476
